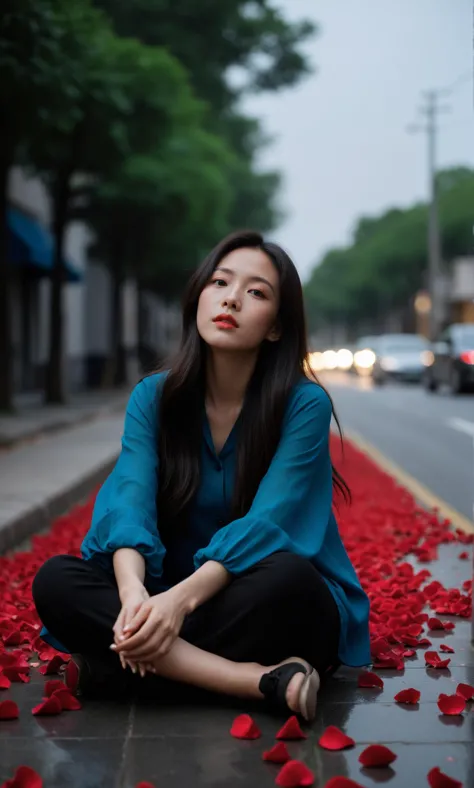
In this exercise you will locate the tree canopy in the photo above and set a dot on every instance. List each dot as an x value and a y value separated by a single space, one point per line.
129 113
387 260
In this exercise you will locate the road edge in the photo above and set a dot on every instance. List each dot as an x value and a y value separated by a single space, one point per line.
417 489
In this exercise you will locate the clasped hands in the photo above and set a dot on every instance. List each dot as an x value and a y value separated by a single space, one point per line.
147 627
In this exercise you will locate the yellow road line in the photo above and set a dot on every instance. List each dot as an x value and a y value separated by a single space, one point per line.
418 490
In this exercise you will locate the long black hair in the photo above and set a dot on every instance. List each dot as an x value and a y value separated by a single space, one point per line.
279 366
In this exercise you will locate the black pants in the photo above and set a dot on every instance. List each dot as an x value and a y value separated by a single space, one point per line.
279 608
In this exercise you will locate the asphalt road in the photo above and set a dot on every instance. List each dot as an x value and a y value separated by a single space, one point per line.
430 436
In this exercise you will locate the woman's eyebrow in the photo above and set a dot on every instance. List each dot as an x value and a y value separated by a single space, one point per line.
251 278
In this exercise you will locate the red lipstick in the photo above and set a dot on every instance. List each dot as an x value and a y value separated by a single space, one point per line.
226 321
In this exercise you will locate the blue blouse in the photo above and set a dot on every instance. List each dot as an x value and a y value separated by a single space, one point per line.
292 510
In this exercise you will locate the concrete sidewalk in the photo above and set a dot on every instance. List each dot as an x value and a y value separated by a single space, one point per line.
41 479
33 418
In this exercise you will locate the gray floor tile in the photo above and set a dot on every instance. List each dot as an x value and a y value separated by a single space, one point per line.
75 763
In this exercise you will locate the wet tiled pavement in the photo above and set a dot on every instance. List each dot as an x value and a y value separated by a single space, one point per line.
189 746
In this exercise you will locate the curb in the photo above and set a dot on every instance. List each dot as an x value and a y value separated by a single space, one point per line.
40 516
421 493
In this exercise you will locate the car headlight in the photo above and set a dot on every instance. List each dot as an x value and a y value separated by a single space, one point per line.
344 359
364 359
427 358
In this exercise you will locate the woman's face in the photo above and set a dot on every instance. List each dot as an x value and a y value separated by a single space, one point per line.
244 291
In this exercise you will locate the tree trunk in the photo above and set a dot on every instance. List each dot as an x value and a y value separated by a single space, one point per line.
54 383
6 356
115 373
140 327
120 355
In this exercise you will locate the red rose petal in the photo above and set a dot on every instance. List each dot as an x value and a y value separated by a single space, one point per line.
448 626
446 649
369 680
145 785
244 727
291 730
9 710
414 630
437 779
451 704
342 782
5 682
24 778
47 707
377 755
464 555
466 691
435 624
53 666
294 774
408 696
68 702
7 660
15 638
17 674
335 739
52 685
47 654
277 754
433 659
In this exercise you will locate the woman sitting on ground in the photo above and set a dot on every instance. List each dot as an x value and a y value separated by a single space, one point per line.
213 558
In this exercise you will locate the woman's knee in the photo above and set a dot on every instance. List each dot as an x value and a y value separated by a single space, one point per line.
50 582
289 573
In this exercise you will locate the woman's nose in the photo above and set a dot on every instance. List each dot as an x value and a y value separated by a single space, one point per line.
231 302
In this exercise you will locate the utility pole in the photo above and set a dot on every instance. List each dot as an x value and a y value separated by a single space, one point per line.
431 109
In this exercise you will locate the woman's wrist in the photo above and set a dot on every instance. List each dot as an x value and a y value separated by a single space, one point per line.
202 585
129 570
131 585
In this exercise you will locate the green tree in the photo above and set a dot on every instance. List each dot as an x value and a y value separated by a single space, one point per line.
387 260
117 80
211 38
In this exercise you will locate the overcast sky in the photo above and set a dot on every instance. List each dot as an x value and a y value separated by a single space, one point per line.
341 139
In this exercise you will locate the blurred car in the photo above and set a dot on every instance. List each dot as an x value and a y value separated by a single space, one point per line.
400 357
451 359
365 353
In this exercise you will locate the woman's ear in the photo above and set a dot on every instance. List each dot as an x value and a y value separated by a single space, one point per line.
274 334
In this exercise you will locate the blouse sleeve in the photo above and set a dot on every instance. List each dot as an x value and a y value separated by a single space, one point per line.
291 510
125 512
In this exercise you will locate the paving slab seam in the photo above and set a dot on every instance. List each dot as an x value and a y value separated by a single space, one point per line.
122 772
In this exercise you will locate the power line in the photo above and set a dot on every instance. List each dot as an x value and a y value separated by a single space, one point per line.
463 79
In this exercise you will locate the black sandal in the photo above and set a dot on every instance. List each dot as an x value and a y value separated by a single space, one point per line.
273 686
89 676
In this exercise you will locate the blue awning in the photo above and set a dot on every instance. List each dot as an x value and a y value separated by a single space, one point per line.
29 243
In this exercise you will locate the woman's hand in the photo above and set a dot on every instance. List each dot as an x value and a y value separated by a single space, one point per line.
132 598
153 629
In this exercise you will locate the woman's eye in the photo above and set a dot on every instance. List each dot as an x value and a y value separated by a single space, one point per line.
219 282
258 293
